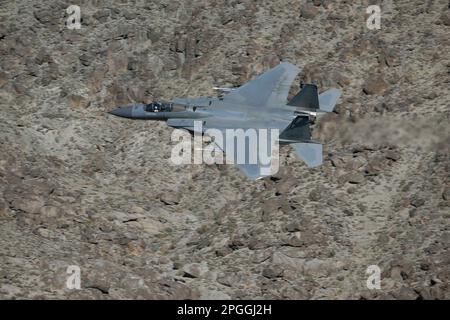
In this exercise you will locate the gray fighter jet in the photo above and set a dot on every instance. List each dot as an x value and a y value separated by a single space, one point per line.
259 104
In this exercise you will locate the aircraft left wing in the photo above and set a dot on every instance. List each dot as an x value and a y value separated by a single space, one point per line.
269 89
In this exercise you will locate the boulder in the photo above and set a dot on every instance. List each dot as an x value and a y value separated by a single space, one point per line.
195 270
375 85
272 271
309 11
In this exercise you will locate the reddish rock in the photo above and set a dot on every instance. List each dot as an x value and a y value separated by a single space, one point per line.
375 85
309 11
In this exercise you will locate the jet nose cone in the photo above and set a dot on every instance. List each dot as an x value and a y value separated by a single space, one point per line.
124 112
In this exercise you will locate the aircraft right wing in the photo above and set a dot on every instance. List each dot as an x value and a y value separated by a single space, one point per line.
249 158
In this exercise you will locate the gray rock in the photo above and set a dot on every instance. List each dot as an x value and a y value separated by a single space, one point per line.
355 178
392 155
272 271
195 270
85 59
170 198
309 11
417 201
406 293
315 195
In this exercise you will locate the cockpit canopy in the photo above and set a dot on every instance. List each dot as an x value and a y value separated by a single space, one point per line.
163 107
158 107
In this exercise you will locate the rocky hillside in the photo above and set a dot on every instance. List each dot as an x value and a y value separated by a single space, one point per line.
81 187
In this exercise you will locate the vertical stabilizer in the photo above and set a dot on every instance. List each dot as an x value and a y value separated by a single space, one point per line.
306 98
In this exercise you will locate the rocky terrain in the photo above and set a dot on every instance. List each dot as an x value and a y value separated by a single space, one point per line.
81 187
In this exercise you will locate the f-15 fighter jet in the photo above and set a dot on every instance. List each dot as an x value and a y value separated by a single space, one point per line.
259 104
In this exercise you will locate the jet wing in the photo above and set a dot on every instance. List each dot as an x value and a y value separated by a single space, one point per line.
256 159
269 89
242 153
249 162
186 123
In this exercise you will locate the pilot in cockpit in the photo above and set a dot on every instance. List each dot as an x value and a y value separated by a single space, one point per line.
153 107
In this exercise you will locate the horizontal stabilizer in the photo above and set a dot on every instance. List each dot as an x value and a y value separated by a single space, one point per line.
311 153
328 99
297 130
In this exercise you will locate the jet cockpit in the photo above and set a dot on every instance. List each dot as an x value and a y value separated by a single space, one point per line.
163 107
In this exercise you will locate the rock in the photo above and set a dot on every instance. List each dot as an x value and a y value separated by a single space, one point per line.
286 185
412 213
445 18
223 251
43 57
318 2
238 241
3 78
348 213
195 270
170 198
416 201
132 65
375 166
315 195
19 88
85 60
272 271
425 266
153 36
446 193
101 15
354 178
206 294
78 102
296 293
129 15
29 204
424 294
50 212
406 293
44 16
309 11
293 227
228 279
375 85
176 291
5 212
256 244
392 155
271 206
295 241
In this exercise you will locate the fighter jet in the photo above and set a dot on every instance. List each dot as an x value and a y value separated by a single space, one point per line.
259 104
